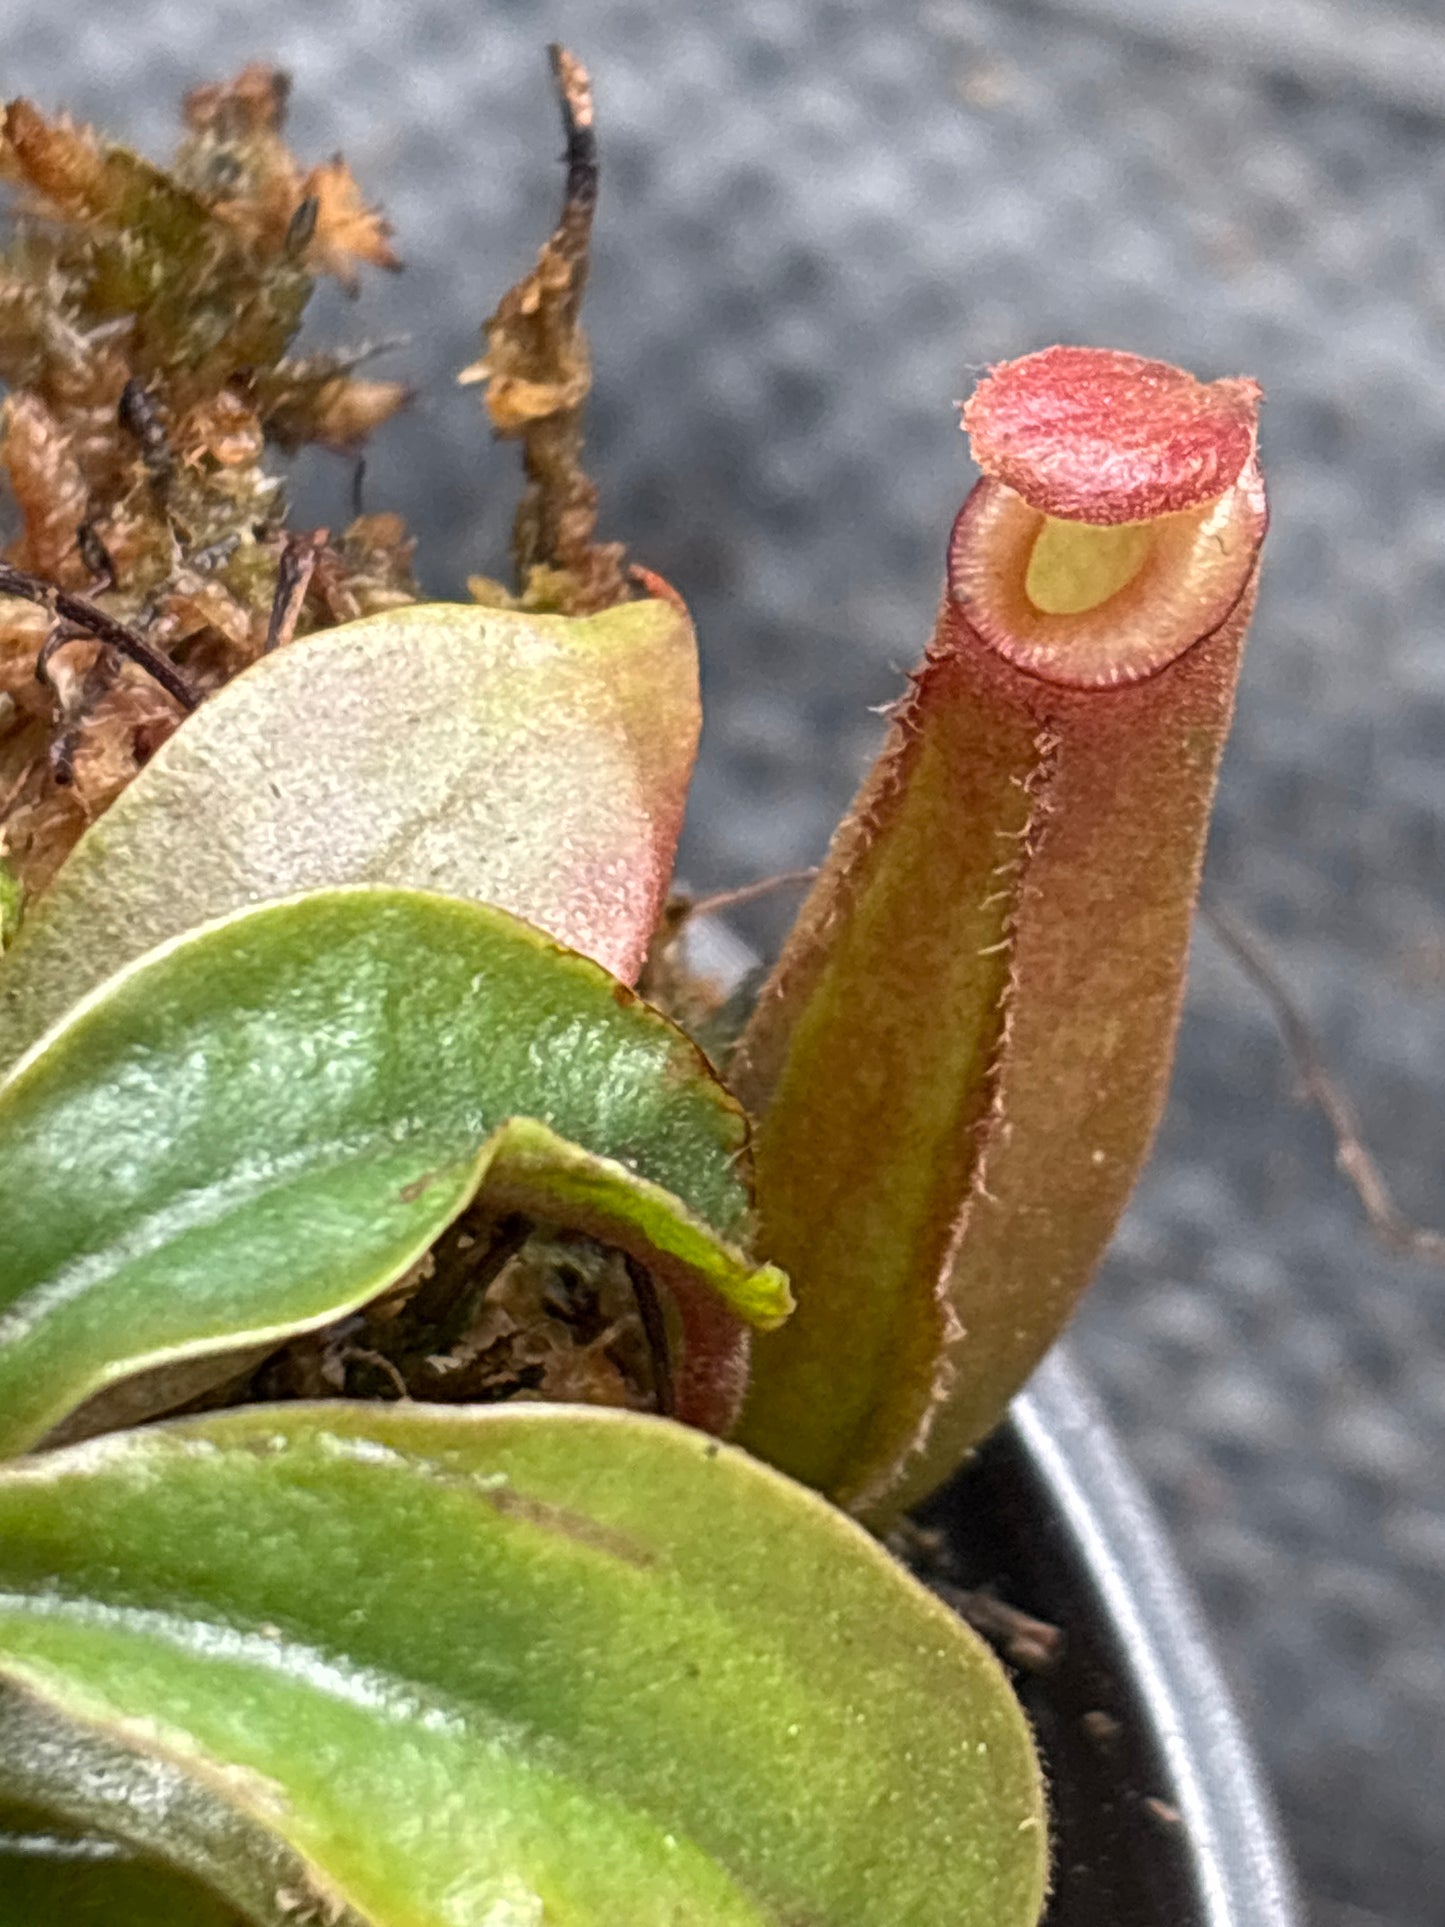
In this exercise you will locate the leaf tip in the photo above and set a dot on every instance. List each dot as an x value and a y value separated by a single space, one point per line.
770 1300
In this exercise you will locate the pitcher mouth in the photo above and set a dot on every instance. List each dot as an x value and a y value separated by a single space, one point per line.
1045 593
1119 519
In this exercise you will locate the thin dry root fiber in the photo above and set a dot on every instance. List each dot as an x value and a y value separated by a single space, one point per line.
1353 1156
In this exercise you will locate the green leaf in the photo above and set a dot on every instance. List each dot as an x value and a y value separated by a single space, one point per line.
11 903
512 1665
536 762
266 1123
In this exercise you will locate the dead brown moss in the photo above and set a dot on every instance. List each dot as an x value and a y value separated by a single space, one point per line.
145 320
494 1312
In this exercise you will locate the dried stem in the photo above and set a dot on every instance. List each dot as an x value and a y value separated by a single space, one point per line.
363 1355
139 417
105 628
1352 1156
96 557
538 376
293 577
654 1330
574 91
722 900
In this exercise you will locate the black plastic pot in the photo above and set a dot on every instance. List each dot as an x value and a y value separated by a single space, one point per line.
1160 1816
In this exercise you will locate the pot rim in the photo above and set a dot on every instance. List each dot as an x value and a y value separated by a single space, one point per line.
1240 1864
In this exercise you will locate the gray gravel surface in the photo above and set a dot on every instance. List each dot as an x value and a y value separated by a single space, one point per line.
820 217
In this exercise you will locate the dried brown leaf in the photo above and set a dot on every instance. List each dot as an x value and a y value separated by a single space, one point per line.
125 730
61 164
222 431
197 605
48 485
254 102
23 629
318 400
347 231
236 160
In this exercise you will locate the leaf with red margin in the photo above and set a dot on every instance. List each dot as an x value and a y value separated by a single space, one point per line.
537 762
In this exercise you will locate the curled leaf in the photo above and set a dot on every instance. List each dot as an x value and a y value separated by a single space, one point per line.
54 1871
267 1122
536 762
524 1664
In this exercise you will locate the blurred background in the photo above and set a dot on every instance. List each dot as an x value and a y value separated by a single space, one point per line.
820 220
